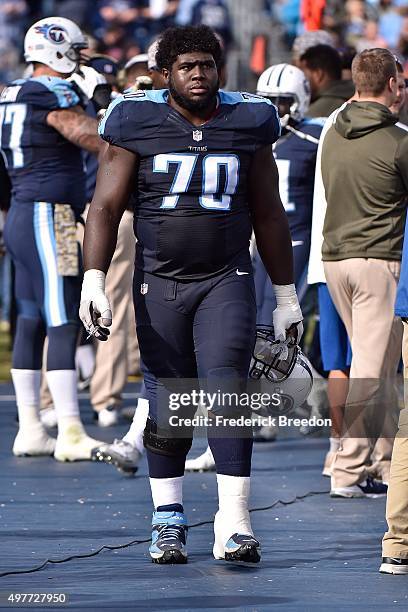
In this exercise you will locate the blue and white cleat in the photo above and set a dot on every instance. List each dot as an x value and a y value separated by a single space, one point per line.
169 535
240 547
243 546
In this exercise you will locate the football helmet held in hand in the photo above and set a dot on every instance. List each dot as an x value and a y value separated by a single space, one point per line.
281 367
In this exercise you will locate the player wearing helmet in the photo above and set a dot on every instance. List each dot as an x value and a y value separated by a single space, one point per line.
55 42
295 154
43 128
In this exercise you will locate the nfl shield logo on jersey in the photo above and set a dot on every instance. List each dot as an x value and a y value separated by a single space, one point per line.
144 288
197 135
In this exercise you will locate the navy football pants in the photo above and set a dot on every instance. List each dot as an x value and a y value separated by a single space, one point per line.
196 329
47 303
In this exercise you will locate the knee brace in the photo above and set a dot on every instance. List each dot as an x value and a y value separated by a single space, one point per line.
165 445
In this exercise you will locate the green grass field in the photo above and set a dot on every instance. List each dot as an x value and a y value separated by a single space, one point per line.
5 356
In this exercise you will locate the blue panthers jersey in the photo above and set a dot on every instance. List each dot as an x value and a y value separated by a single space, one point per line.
42 165
192 217
296 161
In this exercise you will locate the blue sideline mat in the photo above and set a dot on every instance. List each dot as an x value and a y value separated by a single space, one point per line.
318 553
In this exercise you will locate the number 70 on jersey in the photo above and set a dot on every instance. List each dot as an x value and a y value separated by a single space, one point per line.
211 198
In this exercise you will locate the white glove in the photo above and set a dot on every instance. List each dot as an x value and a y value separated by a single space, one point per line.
87 79
94 310
287 312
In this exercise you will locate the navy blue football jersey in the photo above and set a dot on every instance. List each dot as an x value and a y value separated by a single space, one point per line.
296 161
42 165
192 217
90 160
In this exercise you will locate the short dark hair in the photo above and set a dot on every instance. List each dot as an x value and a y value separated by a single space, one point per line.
186 39
371 70
325 58
347 54
400 67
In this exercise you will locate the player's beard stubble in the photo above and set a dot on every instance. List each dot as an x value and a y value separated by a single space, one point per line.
193 105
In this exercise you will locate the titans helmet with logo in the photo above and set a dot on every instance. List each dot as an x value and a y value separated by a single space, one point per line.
56 42
281 368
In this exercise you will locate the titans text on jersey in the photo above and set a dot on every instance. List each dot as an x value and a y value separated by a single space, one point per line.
191 192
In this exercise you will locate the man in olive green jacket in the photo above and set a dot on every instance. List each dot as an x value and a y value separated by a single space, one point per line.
322 66
365 175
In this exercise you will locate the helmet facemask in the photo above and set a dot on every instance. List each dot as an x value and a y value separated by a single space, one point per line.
273 359
280 367
74 52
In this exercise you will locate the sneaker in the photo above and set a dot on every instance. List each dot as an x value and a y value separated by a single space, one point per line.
380 471
84 384
108 417
74 444
391 565
243 547
203 463
266 433
123 455
368 488
169 534
34 442
85 365
48 417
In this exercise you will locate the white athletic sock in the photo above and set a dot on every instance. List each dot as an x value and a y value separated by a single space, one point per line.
166 491
63 389
27 387
233 498
334 445
135 434
85 360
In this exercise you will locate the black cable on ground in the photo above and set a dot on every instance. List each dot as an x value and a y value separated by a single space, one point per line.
136 542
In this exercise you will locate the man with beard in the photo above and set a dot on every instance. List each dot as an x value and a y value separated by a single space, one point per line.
199 162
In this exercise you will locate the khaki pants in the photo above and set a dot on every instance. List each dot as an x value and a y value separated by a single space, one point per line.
395 542
112 367
364 292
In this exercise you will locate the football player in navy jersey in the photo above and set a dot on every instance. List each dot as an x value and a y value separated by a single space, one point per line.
43 128
200 166
295 154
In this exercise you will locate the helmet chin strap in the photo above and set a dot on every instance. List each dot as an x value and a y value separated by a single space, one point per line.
300 134
285 120
286 125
